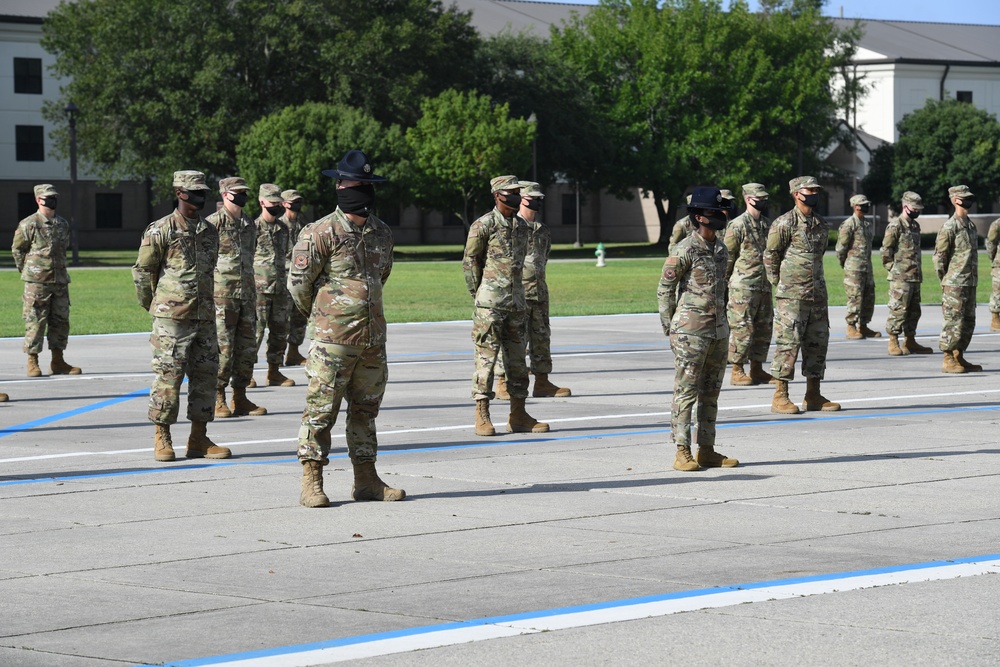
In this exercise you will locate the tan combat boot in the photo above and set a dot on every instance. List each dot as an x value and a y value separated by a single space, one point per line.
520 421
222 410
869 333
707 457
484 426
368 486
995 323
966 364
815 401
33 370
894 349
501 394
780 403
758 375
914 347
312 485
294 358
253 383
683 460
200 447
59 365
739 378
950 363
4 397
853 333
243 406
545 389
276 379
163 445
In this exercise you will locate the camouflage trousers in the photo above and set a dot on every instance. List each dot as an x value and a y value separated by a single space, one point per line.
297 325
995 294
46 309
800 325
337 371
859 288
272 314
959 307
904 308
236 322
751 316
492 331
183 347
700 365
537 337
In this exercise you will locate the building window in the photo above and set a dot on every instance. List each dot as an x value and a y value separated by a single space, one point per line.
28 76
964 96
108 210
26 205
30 141
569 209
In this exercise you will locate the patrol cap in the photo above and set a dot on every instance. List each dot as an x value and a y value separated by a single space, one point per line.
708 198
960 191
755 190
727 194
531 189
913 200
803 182
291 195
190 180
270 192
233 184
859 200
504 183
45 190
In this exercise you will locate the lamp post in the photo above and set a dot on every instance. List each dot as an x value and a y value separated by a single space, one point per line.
533 119
71 109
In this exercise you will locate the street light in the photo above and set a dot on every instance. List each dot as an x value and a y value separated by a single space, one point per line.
534 147
72 110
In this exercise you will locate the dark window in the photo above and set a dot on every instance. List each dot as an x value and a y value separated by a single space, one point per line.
28 76
108 210
26 205
569 209
964 96
30 143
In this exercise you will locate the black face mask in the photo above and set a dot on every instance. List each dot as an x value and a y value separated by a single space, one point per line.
512 200
718 223
240 199
913 215
275 210
534 204
866 208
357 200
759 204
195 199
968 203
50 202
811 200
295 206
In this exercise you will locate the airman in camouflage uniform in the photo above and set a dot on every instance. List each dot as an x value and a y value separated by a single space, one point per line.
750 309
692 304
992 244
39 252
956 259
295 220
339 265
854 251
173 277
793 259
901 258
235 299
493 268
270 276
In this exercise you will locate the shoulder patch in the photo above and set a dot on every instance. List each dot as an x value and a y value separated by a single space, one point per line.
670 273
671 261
301 260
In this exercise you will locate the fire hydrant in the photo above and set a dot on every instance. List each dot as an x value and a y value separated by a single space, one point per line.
599 253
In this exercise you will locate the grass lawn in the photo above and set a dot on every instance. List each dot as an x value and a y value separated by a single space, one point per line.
104 299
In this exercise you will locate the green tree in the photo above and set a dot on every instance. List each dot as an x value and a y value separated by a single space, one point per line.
460 142
948 143
877 183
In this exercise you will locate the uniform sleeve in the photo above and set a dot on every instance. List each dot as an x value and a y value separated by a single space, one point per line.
146 271
943 246
733 241
308 259
778 239
474 259
674 269
677 233
992 238
389 250
21 246
889 244
845 239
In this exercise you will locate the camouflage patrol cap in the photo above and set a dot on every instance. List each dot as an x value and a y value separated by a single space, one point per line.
291 195
531 189
803 182
233 184
45 190
960 191
727 194
688 200
270 192
913 200
859 200
755 190
190 180
504 183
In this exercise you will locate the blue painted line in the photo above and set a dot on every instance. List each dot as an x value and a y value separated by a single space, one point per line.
545 613
27 426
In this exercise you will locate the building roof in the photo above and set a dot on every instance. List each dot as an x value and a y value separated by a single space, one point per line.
490 17
927 42
26 11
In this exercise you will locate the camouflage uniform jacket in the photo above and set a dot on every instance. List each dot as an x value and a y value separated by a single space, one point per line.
174 272
494 261
956 253
692 290
901 250
269 258
295 228
682 229
234 271
794 256
993 242
745 241
854 244
39 249
539 246
338 270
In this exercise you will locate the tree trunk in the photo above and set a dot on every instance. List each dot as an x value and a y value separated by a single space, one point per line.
666 224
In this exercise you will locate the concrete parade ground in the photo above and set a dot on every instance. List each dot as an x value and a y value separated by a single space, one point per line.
853 538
